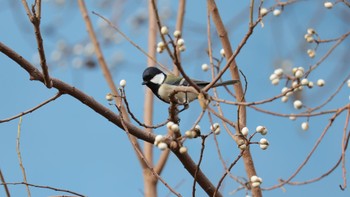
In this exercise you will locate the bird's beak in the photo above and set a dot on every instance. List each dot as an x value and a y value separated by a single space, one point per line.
144 83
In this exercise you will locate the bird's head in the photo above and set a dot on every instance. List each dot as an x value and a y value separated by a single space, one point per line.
153 75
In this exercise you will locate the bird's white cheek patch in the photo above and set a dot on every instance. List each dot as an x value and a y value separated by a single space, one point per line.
158 79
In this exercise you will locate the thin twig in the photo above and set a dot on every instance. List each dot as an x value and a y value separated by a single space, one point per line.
174 58
35 18
123 95
340 110
19 155
340 40
102 62
143 157
130 41
32 109
323 175
227 171
44 187
2 178
344 145
198 165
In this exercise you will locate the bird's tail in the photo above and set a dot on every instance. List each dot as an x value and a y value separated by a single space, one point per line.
225 83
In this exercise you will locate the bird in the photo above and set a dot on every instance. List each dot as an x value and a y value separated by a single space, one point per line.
163 85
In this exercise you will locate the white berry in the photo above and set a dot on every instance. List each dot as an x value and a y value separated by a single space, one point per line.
205 67
177 34
320 82
164 30
169 124
183 150
109 97
284 99
222 52
263 11
304 82
276 12
278 72
162 146
180 42
275 81
175 128
328 4
298 104
245 131
122 83
305 126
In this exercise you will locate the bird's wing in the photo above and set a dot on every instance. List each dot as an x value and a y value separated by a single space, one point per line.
198 82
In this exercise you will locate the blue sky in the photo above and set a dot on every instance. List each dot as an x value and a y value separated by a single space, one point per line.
67 145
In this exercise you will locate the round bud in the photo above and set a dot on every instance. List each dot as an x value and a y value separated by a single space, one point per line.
256 184
194 134
273 76
263 141
298 104
305 126
275 81
299 73
222 52
169 124
122 83
295 84
164 30
311 53
263 11
109 97
348 82
161 45
311 31
254 178
177 34
278 72
180 42
158 139
260 128
217 131
284 90
276 12
291 117
159 50
205 67
309 38
245 131
214 126
188 134
182 48
328 4
263 146
162 146
284 99
175 128
304 82
320 82
311 84
242 147
183 149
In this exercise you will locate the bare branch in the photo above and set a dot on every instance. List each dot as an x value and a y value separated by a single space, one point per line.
19 155
347 107
32 109
2 178
44 187
35 19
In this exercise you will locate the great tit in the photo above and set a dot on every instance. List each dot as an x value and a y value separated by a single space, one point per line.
162 85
